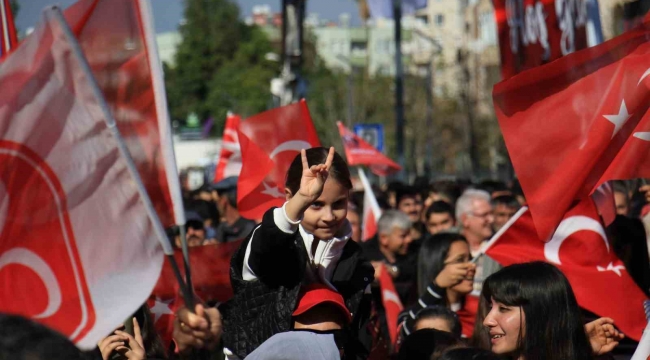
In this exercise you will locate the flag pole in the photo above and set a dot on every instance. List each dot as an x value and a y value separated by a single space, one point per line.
124 152
164 129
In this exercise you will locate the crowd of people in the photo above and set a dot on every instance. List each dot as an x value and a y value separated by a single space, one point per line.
306 284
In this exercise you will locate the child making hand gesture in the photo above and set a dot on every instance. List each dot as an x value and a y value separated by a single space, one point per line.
305 241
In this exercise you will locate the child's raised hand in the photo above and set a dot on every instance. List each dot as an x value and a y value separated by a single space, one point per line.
314 177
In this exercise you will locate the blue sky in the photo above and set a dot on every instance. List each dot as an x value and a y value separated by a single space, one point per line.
168 13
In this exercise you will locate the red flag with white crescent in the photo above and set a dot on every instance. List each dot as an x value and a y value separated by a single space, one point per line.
229 163
581 250
359 152
391 302
371 209
78 252
269 142
577 122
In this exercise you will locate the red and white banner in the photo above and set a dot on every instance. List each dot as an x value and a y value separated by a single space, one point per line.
359 152
536 32
371 209
8 37
77 250
230 156
581 250
117 38
578 122
269 143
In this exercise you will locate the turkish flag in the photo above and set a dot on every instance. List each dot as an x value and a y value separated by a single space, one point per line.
210 277
113 36
581 250
371 209
577 122
230 156
359 152
77 249
269 142
8 38
391 302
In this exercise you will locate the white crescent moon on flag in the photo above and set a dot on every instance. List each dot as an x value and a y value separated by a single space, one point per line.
391 296
295 145
645 74
567 228
28 258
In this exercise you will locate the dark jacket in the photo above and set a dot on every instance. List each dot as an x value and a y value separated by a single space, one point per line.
263 307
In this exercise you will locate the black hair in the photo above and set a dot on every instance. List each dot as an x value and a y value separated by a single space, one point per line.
431 260
205 209
440 207
553 327
440 312
23 339
405 192
448 189
153 345
422 343
508 200
316 156
492 186
516 189
467 354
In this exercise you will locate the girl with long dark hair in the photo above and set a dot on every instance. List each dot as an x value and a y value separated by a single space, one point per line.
445 276
529 312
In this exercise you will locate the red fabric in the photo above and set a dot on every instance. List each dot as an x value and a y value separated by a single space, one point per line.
580 249
111 36
558 122
467 315
210 277
369 229
8 38
526 42
391 302
230 156
269 142
359 152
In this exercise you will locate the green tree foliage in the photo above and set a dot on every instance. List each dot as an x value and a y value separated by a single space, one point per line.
220 64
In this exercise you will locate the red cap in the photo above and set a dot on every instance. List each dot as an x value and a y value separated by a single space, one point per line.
316 294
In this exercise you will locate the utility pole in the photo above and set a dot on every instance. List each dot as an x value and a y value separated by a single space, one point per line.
399 89
293 15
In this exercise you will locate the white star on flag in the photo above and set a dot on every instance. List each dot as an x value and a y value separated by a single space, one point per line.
619 119
161 308
272 191
616 269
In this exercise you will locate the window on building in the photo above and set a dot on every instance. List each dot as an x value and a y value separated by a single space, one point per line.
440 19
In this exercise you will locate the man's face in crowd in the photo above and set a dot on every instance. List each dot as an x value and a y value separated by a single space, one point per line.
353 218
622 206
411 206
194 233
502 214
439 222
478 222
397 241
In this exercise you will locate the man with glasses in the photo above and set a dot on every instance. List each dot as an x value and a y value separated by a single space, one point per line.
475 217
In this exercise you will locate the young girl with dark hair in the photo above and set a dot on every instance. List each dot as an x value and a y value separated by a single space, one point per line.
445 276
305 241
531 313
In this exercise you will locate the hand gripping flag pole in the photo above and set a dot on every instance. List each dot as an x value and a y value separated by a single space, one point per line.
124 152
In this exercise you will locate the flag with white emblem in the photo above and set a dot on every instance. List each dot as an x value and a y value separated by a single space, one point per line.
578 122
581 250
269 143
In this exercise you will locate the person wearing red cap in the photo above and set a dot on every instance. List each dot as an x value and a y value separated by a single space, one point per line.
320 329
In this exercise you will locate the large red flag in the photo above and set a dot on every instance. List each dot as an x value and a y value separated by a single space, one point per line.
391 302
535 32
573 124
581 250
230 156
210 277
116 37
77 250
269 143
359 152
8 37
